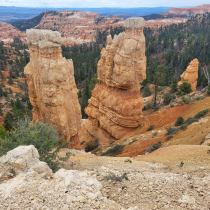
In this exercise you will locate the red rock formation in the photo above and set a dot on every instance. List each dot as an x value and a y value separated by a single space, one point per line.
115 107
8 33
75 26
164 22
188 12
52 88
191 74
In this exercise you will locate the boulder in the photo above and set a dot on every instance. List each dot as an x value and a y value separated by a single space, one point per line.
25 159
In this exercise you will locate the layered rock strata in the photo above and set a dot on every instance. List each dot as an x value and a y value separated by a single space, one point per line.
8 33
77 27
115 107
52 88
191 74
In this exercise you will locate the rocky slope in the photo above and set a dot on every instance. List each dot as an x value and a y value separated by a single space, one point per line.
101 183
115 107
187 12
52 88
8 33
156 23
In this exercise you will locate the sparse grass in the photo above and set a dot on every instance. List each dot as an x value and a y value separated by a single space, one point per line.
82 142
128 160
201 114
183 127
154 147
151 127
155 133
189 121
114 151
169 137
148 106
12 171
202 141
156 108
132 142
97 150
160 89
113 177
91 145
171 130
181 164
185 100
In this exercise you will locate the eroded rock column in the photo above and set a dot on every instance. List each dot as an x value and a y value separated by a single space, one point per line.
191 74
51 83
115 107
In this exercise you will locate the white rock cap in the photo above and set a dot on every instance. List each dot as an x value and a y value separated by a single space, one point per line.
134 22
44 38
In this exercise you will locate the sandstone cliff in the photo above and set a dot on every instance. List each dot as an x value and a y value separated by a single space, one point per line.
75 26
115 107
191 74
8 33
164 22
52 89
187 12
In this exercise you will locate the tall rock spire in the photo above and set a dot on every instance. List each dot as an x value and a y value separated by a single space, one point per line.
115 107
191 74
52 88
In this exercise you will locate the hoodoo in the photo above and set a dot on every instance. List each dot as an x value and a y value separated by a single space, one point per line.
52 88
191 74
115 107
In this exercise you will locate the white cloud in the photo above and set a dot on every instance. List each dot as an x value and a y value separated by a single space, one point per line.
102 3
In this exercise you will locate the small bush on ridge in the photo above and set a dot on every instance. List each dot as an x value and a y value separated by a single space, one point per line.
114 151
43 136
168 97
185 87
171 130
154 147
147 91
150 128
179 121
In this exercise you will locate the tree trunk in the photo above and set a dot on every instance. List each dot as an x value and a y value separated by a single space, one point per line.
156 87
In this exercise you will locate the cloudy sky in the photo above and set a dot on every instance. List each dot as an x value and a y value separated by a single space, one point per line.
101 3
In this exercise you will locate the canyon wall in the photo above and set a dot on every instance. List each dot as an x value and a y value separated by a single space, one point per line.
9 33
187 12
115 107
77 27
51 84
191 74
